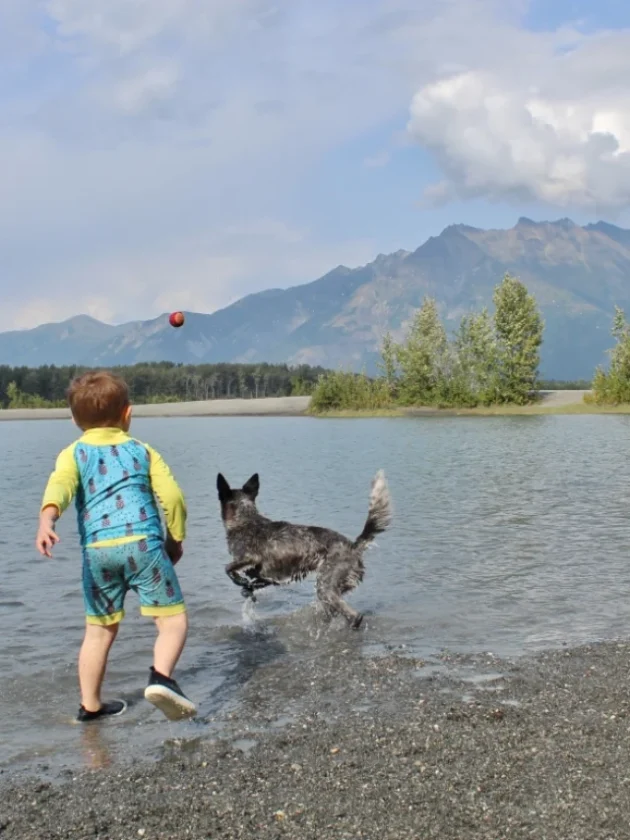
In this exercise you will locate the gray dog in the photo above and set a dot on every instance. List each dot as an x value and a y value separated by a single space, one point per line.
267 553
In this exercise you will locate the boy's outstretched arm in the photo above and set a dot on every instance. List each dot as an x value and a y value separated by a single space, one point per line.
59 492
170 496
46 536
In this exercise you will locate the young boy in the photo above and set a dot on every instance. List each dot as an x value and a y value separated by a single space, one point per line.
116 482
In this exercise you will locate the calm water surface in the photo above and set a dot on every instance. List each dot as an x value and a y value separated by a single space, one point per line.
510 534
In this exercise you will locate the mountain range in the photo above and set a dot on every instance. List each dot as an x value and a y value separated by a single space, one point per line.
577 275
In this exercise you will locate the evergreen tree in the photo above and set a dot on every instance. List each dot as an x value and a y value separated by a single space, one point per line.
614 387
519 332
388 366
477 355
152 382
423 357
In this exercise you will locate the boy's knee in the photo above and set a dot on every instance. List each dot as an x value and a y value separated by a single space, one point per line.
172 623
103 634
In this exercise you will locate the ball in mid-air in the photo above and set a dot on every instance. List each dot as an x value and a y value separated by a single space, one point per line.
176 319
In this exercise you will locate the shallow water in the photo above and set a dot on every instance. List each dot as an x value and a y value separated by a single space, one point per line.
510 534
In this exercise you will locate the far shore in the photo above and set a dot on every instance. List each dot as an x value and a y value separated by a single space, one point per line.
550 402
265 407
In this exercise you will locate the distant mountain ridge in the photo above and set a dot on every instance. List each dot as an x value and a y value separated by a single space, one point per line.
576 273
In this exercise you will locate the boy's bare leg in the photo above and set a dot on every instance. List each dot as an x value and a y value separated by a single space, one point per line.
172 632
93 661
163 691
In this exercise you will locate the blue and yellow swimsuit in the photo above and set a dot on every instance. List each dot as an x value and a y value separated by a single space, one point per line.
116 481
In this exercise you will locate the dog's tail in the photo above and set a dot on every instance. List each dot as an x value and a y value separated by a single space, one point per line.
379 513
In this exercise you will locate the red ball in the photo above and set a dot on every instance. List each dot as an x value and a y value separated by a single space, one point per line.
176 319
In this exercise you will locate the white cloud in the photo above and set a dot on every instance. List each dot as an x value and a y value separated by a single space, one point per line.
156 84
163 137
549 125
160 149
124 27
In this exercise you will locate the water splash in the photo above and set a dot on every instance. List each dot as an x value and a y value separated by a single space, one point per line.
248 612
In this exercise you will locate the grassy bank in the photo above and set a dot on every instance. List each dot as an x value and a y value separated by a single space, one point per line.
299 407
542 409
534 409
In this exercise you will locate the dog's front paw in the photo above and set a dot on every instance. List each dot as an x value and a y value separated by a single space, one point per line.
239 580
358 621
262 583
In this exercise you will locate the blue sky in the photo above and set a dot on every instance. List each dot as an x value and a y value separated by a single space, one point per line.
162 154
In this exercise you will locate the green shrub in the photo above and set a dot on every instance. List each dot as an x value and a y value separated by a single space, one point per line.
342 391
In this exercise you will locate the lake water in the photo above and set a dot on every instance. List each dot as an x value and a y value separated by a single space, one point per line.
509 534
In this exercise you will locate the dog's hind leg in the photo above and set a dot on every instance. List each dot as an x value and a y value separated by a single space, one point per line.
329 585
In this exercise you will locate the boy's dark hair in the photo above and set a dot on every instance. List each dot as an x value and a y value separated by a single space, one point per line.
98 399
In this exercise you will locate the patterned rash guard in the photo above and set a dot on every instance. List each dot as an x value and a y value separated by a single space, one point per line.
116 482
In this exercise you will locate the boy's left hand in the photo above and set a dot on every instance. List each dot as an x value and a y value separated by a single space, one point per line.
174 549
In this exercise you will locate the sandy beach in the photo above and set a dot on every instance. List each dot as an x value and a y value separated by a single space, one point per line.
266 407
383 749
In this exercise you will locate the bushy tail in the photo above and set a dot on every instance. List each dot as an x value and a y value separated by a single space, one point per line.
379 513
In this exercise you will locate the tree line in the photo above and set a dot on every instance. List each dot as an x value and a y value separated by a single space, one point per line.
612 387
490 359
159 382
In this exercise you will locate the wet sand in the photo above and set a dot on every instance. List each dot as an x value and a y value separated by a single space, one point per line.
384 749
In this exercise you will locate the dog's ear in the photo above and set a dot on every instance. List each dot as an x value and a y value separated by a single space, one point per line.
223 488
252 486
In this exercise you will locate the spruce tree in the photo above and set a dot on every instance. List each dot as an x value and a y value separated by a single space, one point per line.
423 356
519 330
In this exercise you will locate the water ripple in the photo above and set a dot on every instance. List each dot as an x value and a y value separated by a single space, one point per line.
509 534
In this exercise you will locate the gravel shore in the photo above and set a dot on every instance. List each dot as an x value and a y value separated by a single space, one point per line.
377 749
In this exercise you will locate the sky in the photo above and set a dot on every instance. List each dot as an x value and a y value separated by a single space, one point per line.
179 154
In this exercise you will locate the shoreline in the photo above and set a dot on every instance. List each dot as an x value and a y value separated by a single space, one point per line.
386 747
551 403
263 407
581 409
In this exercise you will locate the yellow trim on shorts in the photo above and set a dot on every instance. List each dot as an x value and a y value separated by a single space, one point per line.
117 541
105 620
160 612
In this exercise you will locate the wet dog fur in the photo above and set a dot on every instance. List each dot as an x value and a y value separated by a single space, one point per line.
268 553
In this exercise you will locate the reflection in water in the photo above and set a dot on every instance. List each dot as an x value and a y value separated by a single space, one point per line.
248 650
96 751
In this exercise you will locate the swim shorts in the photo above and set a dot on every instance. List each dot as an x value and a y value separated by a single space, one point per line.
109 572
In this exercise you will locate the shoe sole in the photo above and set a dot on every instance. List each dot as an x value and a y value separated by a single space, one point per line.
172 705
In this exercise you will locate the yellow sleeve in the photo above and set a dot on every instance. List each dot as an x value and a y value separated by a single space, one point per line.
63 481
169 494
